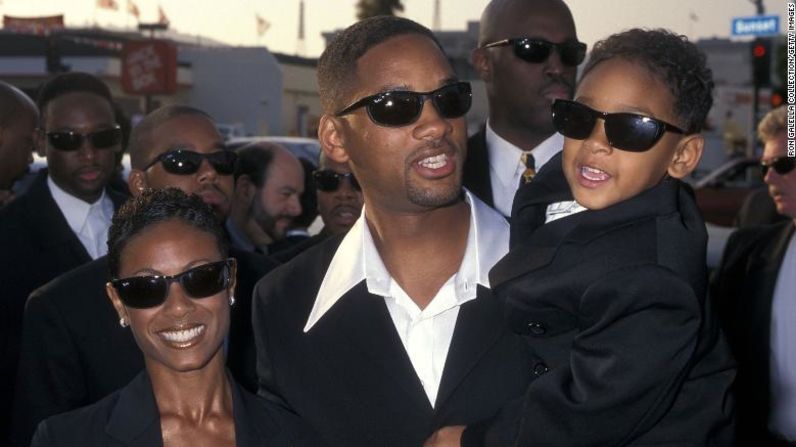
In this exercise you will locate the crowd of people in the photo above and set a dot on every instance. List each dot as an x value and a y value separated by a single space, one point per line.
542 282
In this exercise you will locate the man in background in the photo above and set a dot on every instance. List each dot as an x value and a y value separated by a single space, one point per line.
18 118
527 55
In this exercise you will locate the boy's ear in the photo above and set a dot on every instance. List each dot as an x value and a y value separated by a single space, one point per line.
686 155
332 139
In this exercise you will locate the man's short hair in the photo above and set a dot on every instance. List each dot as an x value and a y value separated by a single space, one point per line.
154 206
254 160
70 83
773 123
140 146
670 58
337 64
12 100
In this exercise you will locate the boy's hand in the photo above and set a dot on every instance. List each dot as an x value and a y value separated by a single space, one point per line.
446 437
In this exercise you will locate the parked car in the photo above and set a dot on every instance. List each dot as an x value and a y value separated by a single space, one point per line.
721 192
307 148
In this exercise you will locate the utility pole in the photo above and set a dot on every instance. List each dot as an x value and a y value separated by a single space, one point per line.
437 25
300 44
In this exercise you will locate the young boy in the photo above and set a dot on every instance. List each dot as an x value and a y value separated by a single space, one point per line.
606 278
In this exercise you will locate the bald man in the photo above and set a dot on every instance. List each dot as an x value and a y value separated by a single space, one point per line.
18 119
527 55
269 181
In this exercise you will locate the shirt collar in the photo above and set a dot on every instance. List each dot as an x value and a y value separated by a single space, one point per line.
357 259
504 157
75 210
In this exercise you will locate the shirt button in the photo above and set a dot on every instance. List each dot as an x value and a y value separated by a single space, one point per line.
539 369
536 328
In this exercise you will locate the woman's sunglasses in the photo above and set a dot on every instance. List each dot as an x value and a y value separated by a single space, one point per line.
327 180
780 165
70 140
143 292
626 131
537 51
185 162
397 108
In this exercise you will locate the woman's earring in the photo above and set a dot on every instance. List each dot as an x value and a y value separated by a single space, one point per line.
122 322
232 300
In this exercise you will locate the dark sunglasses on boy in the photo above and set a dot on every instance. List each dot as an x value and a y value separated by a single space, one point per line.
397 108
327 180
625 131
143 292
536 51
185 162
69 140
780 165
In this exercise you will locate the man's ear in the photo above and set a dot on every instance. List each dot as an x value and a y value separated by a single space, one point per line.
40 142
687 155
481 63
331 138
137 182
245 189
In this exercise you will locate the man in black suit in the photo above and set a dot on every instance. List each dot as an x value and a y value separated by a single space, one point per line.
73 350
527 55
18 119
382 335
269 182
62 220
754 290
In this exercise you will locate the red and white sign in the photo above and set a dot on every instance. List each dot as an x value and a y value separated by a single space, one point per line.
33 25
149 67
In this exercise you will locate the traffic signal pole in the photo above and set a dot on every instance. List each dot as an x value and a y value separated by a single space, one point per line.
750 148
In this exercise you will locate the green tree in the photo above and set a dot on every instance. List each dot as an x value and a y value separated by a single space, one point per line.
370 8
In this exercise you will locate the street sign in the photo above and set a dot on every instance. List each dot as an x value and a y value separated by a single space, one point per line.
755 26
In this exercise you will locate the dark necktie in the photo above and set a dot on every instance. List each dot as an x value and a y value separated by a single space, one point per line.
530 163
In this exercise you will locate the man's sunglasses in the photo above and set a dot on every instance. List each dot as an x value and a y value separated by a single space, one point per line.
780 165
537 51
327 180
143 292
70 140
397 108
185 162
626 131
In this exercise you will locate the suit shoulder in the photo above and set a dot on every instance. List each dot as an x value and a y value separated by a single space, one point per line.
75 290
76 426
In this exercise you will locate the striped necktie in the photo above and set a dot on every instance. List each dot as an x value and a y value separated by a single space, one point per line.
529 163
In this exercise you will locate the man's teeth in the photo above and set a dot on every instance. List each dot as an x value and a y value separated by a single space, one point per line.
183 335
594 174
434 162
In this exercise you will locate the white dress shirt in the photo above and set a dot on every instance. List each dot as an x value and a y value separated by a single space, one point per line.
506 167
557 210
426 334
782 419
89 221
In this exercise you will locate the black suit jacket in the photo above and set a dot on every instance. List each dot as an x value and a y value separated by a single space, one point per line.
611 304
743 289
37 245
74 352
130 417
475 176
350 378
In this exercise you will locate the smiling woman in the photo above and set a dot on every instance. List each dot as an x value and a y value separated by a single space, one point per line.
173 286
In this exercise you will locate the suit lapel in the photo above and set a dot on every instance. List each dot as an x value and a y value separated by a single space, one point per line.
49 223
478 326
475 176
134 419
361 322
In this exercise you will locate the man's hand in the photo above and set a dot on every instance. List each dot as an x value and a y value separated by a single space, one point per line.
446 437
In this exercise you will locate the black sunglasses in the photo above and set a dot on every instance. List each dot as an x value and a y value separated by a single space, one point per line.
626 131
143 292
185 162
537 51
70 140
397 108
329 181
781 165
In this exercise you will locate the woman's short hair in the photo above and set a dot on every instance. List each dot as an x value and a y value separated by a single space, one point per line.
154 206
